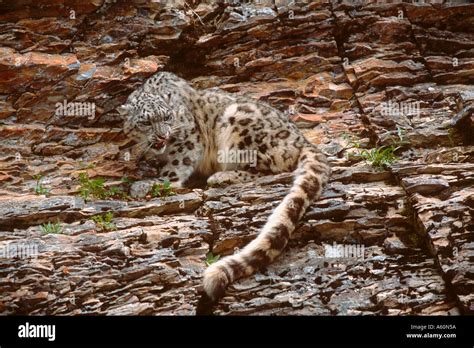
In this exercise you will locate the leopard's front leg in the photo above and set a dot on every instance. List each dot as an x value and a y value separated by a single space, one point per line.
183 158
180 163
231 177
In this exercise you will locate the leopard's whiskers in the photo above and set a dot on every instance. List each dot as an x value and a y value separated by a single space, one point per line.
145 151
179 125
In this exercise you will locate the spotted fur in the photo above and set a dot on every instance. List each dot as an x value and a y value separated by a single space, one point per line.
187 129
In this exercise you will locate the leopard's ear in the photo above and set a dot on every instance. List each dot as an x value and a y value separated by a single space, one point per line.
124 109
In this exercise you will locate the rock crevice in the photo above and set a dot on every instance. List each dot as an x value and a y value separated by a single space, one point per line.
354 78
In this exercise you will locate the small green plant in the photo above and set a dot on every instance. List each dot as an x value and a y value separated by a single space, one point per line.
91 188
51 227
379 157
382 156
39 188
113 191
105 222
162 189
95 188
210 258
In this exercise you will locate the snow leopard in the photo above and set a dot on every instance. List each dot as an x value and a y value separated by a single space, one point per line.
186 129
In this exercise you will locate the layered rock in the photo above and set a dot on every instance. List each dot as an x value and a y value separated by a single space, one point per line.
353 78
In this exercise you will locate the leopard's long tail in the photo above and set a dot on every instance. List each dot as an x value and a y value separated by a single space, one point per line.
310 178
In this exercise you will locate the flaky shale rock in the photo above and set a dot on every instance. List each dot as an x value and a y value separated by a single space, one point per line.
393 239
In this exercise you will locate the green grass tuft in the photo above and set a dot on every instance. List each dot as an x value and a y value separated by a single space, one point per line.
94 188
210 258
162 190
51 227
39 188
379 157
104 222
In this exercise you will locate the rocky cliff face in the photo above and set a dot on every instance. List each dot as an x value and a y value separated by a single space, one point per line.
357 79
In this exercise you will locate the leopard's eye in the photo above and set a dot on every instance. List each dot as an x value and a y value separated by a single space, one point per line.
145 123
167 117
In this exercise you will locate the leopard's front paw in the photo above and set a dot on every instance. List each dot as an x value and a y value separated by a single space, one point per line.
221 179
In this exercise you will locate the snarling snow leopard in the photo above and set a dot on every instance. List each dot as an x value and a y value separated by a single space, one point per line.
187 130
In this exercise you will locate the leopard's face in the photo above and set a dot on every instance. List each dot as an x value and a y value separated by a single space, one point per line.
148 120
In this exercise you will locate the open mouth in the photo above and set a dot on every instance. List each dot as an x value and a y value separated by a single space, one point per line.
160 143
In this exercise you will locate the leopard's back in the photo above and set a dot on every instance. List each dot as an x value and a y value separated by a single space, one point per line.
233 139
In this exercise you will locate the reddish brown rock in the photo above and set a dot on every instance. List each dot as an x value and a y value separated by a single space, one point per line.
352 77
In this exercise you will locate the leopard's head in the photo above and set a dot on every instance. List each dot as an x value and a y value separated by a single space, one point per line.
149 120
